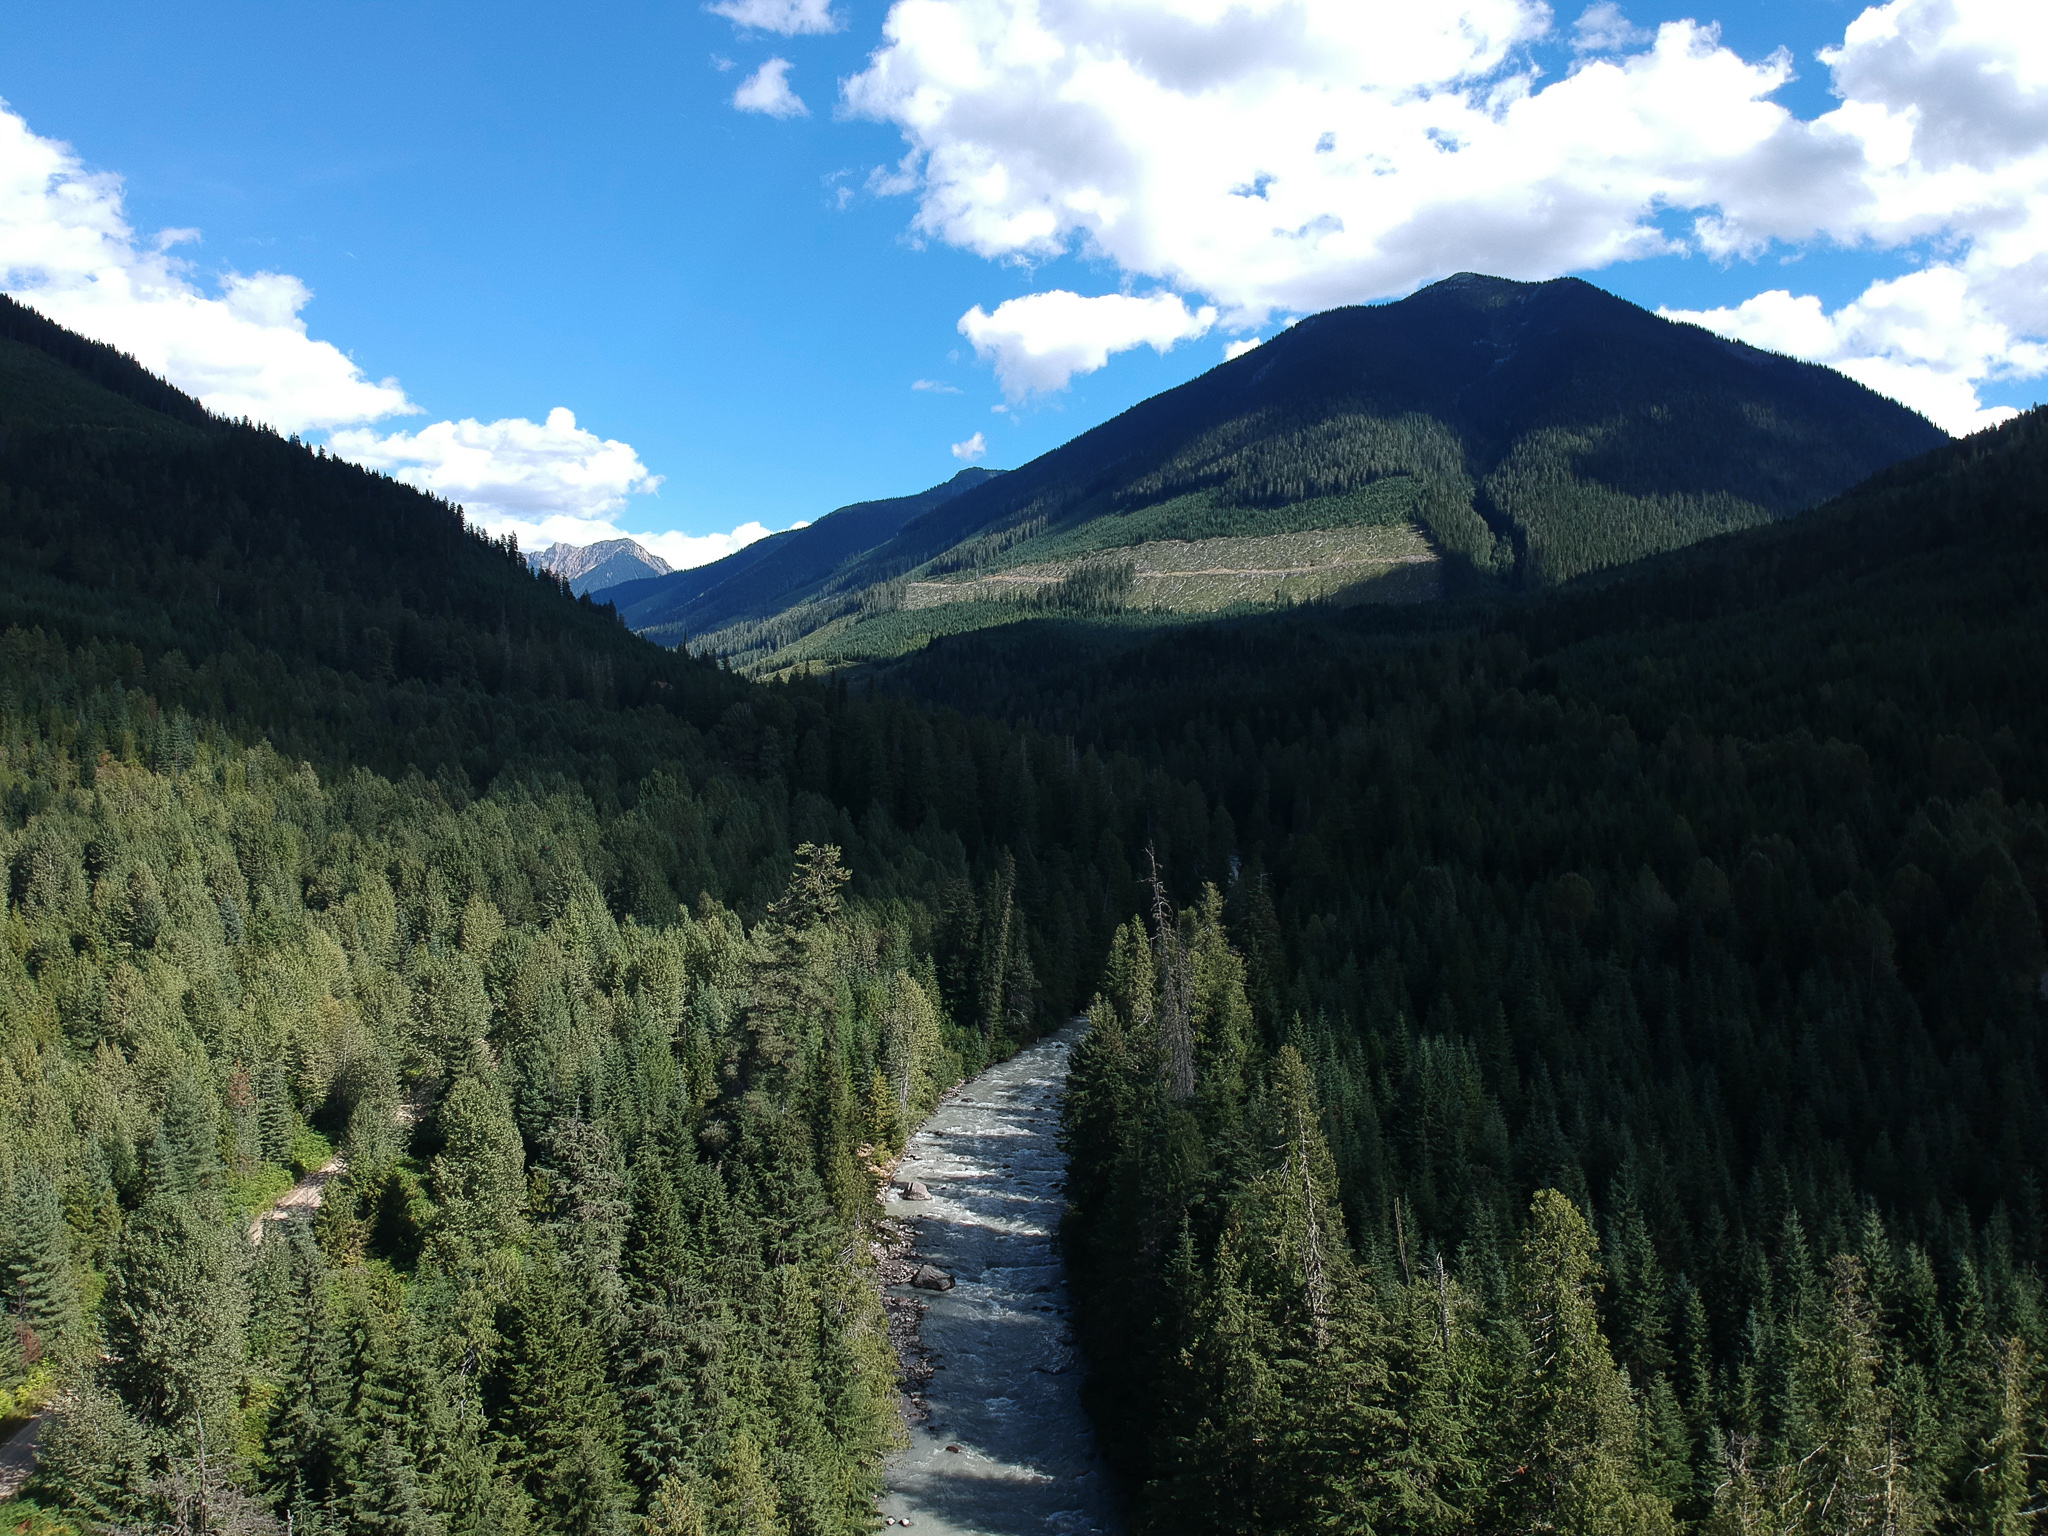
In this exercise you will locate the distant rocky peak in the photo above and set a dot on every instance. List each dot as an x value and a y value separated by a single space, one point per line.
593 567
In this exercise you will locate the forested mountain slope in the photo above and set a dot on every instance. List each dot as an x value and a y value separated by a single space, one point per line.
512 921
347 617
1709 896
773 573
1532 431
1570 1062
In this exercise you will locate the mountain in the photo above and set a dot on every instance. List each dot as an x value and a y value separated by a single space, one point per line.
776 572
1478 435
1614 929
1563 1056
334 838
597 567
347 617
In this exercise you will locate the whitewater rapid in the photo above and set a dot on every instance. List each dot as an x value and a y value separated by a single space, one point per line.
1005 1448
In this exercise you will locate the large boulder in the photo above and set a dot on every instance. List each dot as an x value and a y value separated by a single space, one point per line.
913 1190
930 1279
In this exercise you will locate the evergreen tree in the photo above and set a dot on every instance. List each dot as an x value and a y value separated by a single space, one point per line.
94 1458
674 1510
42 1281
477 1496
390 1502
1435 1470
479 1175
1852 1474
561 1417
2007 1490
1569 1429
742 1498
174 1316
184 1159
308 1434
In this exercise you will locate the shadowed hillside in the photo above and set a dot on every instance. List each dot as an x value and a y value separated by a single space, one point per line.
348 617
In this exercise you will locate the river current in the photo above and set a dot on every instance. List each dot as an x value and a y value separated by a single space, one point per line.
1005 1448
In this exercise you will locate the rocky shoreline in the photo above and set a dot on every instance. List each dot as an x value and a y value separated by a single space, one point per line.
896 1265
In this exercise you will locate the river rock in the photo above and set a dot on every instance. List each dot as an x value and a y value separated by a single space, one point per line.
913 1190
930 1279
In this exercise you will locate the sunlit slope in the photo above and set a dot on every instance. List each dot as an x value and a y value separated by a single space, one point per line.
776 572
1525 433
1924 582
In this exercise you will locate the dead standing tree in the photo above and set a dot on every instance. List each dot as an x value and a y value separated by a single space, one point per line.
1313 1264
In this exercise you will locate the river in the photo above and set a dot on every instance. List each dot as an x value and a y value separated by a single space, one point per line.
1005 1448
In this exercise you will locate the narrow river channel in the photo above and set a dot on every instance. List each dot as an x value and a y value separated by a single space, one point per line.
1006 1449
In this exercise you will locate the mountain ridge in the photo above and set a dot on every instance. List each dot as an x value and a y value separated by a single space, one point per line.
600 566
348 616
713 595
1532 431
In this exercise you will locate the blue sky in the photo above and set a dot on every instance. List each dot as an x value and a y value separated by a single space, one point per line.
503 211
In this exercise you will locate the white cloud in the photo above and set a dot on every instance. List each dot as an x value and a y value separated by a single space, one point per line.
66 248
1233 350
510 471
1602 28
685 550
934 387
767 90
1297 154
549 482
976 447
788 17
1042 340
1921 339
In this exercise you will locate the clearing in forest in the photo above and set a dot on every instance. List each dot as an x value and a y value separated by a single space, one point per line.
1343 565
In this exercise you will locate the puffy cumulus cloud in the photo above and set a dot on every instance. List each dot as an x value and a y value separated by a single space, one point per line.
1040 341
1235 349
1295 154
788 17
976 447
548 482
510 471
767 90
1941 140
684 550
66 248
1275 155
1924 339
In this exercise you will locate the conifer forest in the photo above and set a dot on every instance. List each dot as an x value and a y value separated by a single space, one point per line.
1564 1058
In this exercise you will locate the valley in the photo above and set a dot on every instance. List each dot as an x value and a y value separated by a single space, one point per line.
1545 813
999 1439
